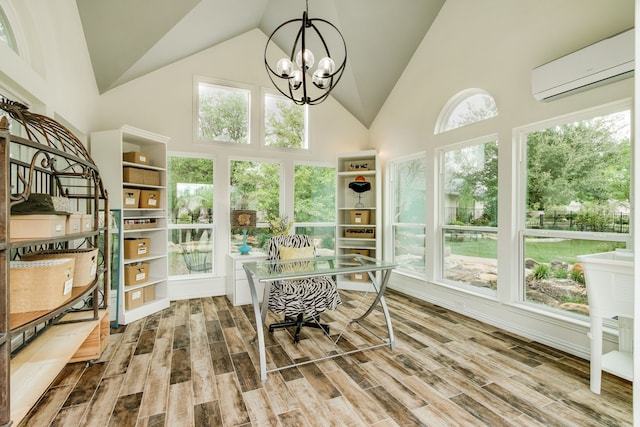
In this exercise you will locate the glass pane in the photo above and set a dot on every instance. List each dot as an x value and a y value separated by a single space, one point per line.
324 238
257 239
284 123
471 109
190 250
410 191
190 190
223 114
578 175
553 274
314 194
470 257
409 248
256 186
471 185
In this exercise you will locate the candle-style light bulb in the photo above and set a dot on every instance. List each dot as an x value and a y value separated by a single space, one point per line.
326 66
309 59
295 80
284 67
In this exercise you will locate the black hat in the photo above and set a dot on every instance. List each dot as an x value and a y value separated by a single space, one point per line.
36 204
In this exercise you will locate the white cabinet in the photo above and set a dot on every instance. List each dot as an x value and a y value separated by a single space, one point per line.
359 210
237 283
138 188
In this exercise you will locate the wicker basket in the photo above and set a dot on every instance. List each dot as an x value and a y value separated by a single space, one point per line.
40 285
86 262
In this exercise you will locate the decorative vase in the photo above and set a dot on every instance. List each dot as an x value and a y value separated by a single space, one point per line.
244 249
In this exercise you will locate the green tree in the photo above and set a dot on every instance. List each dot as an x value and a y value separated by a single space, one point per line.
190 170
256 185
223 115
314 194
284 125
586 162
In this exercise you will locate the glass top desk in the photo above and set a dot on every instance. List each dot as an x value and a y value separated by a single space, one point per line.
268 272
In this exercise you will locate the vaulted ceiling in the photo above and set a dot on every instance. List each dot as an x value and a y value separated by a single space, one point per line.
128 39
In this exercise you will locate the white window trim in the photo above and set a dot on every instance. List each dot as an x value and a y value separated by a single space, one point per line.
518 286
215 214
254 119
389 224
438 239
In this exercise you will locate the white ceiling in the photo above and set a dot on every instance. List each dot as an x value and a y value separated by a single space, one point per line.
128 39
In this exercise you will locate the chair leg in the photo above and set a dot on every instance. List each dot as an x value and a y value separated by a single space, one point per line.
299 322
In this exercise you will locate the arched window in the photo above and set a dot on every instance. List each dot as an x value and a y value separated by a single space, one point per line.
6 33
464 108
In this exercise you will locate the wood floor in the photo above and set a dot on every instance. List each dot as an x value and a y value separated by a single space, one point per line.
195 364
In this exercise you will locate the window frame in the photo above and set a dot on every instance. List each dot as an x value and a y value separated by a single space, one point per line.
520 138
392 166
212 226
453 103
252 112
319 224
442 226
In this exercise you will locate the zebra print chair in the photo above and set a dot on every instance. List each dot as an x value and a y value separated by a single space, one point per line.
301 301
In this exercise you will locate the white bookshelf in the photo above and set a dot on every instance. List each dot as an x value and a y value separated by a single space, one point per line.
354 234
107 148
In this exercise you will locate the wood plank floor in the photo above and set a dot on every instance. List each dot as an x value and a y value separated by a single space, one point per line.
194 364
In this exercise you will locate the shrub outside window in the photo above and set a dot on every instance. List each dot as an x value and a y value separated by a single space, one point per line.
577 202
223 113
469 193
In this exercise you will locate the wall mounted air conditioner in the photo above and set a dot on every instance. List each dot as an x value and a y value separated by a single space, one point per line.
603 62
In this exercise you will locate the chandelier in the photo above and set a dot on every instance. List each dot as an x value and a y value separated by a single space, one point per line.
296 77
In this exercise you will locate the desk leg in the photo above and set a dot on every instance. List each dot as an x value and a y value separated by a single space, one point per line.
386 274
259 328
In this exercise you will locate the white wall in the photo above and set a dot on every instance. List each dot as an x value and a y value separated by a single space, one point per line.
53 71
493 45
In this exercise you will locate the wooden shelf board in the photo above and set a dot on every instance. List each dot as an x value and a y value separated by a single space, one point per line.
16 320
35 367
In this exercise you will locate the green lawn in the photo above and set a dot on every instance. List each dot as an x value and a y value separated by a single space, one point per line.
542 250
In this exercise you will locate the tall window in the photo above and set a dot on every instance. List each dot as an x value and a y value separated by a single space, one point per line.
255 186
408 187
284 123
315 205
469 218
191 226
577 186
465 108
223 113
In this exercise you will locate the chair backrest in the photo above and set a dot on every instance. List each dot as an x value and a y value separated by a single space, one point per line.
290 240
196 259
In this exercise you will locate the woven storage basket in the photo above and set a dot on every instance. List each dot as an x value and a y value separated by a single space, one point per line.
86 262
40 285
